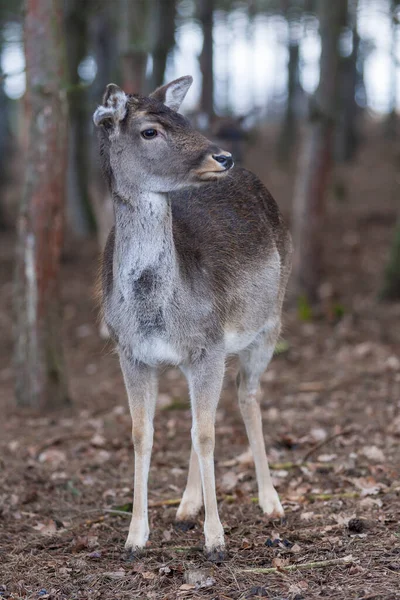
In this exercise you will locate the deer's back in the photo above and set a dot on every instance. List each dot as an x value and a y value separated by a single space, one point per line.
229 227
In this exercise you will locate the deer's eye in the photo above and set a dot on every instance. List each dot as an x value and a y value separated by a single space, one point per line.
148 134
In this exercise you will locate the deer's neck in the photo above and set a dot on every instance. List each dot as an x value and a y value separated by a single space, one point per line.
143 239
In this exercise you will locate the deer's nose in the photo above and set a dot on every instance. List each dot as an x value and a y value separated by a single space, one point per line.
225 160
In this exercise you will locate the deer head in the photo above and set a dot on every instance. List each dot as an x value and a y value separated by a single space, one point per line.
146 144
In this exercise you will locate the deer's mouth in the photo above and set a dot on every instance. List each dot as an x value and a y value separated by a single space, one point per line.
211 175
215 166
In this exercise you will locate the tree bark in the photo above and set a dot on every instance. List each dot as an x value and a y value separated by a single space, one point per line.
391 284
40 372
103 31
4 137
134 44
79 213
206 13
288 131
347 130
164 36
391 121
316 158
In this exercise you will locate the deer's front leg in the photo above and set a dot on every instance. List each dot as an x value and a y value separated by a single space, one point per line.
141 386
205 382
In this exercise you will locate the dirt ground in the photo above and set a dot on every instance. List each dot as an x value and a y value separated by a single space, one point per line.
331 406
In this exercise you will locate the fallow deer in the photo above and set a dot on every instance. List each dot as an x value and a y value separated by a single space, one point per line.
194 270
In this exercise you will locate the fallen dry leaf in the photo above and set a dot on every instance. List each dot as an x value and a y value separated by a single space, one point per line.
326 458
199 578
368 486
318 434
279 562
167 535
373 453
244 459
187 587
115 574
149 575
52 457
98 440
371 502
298 587
229 481
307 516
48 528
84 542
102 456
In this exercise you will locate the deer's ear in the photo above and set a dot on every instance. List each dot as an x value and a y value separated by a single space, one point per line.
113 108
172 94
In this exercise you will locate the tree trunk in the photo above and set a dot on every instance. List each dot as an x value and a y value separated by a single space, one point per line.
103 31
391 122
40 372
134 44
346 135
391 284
206 12
164 36
4 138
79 212
289 126
316 158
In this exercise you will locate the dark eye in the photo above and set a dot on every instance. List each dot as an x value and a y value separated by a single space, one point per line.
148 134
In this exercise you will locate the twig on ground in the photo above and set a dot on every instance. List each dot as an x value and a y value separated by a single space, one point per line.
175 549
332 496
114 511
93 521
167 502
346 560
324 442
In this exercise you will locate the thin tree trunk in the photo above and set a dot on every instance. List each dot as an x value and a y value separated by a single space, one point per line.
346 135
102 29
40 372
316 158
134 44
164 36
79 212
289 126
391 284
206 13
391 122
4 138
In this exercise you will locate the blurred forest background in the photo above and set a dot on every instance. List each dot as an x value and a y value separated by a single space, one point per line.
292 86
306 94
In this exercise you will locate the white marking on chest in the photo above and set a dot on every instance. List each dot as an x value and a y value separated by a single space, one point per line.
235 341
155 350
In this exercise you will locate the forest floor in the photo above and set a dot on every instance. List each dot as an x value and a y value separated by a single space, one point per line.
331 407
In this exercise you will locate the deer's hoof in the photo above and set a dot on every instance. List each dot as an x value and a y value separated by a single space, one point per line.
132 554
271 506
215 555
184 525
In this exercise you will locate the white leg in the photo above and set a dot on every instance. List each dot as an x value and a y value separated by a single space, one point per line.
253 361
192 499
205 383
141 386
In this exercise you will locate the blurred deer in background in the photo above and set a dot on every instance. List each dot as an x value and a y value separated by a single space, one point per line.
195 269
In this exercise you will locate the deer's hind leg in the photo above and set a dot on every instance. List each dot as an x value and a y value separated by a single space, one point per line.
192 499
253 362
